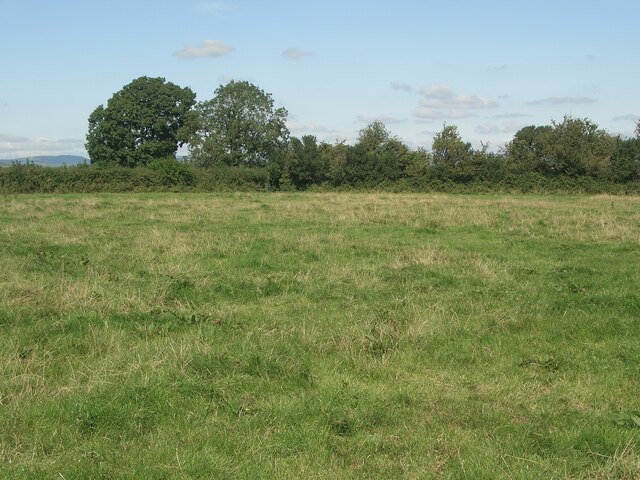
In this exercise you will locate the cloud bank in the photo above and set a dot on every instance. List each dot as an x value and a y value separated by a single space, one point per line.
403 87
492 129
208 48
562 101
627 118
14 146
427 113
440 96
305 128
295 54
512 115
386 119
441 102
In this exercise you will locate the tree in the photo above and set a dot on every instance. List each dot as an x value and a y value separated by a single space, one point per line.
448 148
377 156
581 148
303 161
333 158
146 120
531 149
456 160
238 126
573 147
418 162
625 162
301 165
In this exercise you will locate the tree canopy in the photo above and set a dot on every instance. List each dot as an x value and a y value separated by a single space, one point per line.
147 119
377 155
449 149
239 126
572 147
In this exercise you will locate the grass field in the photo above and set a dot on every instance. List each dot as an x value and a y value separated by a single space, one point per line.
319 336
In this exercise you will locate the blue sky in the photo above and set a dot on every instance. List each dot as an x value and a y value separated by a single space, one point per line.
490 67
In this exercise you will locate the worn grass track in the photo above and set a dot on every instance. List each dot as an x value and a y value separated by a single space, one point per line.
319 336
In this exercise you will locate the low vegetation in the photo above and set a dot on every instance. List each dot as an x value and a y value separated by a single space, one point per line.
334 335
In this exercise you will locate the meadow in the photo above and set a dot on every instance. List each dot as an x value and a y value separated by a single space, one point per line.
327 335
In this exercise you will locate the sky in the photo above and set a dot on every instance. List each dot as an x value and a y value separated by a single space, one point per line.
489 67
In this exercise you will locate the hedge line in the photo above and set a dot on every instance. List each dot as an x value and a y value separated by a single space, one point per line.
86 179
183 178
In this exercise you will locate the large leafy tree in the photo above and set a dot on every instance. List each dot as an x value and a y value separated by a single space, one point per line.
573 147
239 126
448 149
625 162
377 156
146 120
300 165
531 149
581 147
457 160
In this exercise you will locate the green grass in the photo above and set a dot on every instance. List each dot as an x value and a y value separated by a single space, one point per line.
319 336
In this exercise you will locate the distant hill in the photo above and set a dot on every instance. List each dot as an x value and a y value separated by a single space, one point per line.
48 160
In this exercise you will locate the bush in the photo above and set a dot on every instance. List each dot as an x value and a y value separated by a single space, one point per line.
173 172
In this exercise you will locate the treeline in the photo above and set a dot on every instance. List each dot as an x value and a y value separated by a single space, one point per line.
573 155
239 141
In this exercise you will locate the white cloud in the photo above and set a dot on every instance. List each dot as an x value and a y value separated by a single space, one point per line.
429 133
428 113
440 96
295 54
208 48
305 128
627 118
13 146
9 138
439 92
403 87
492 129
562 101
321 132
387 119
512 115
441 102
224 79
